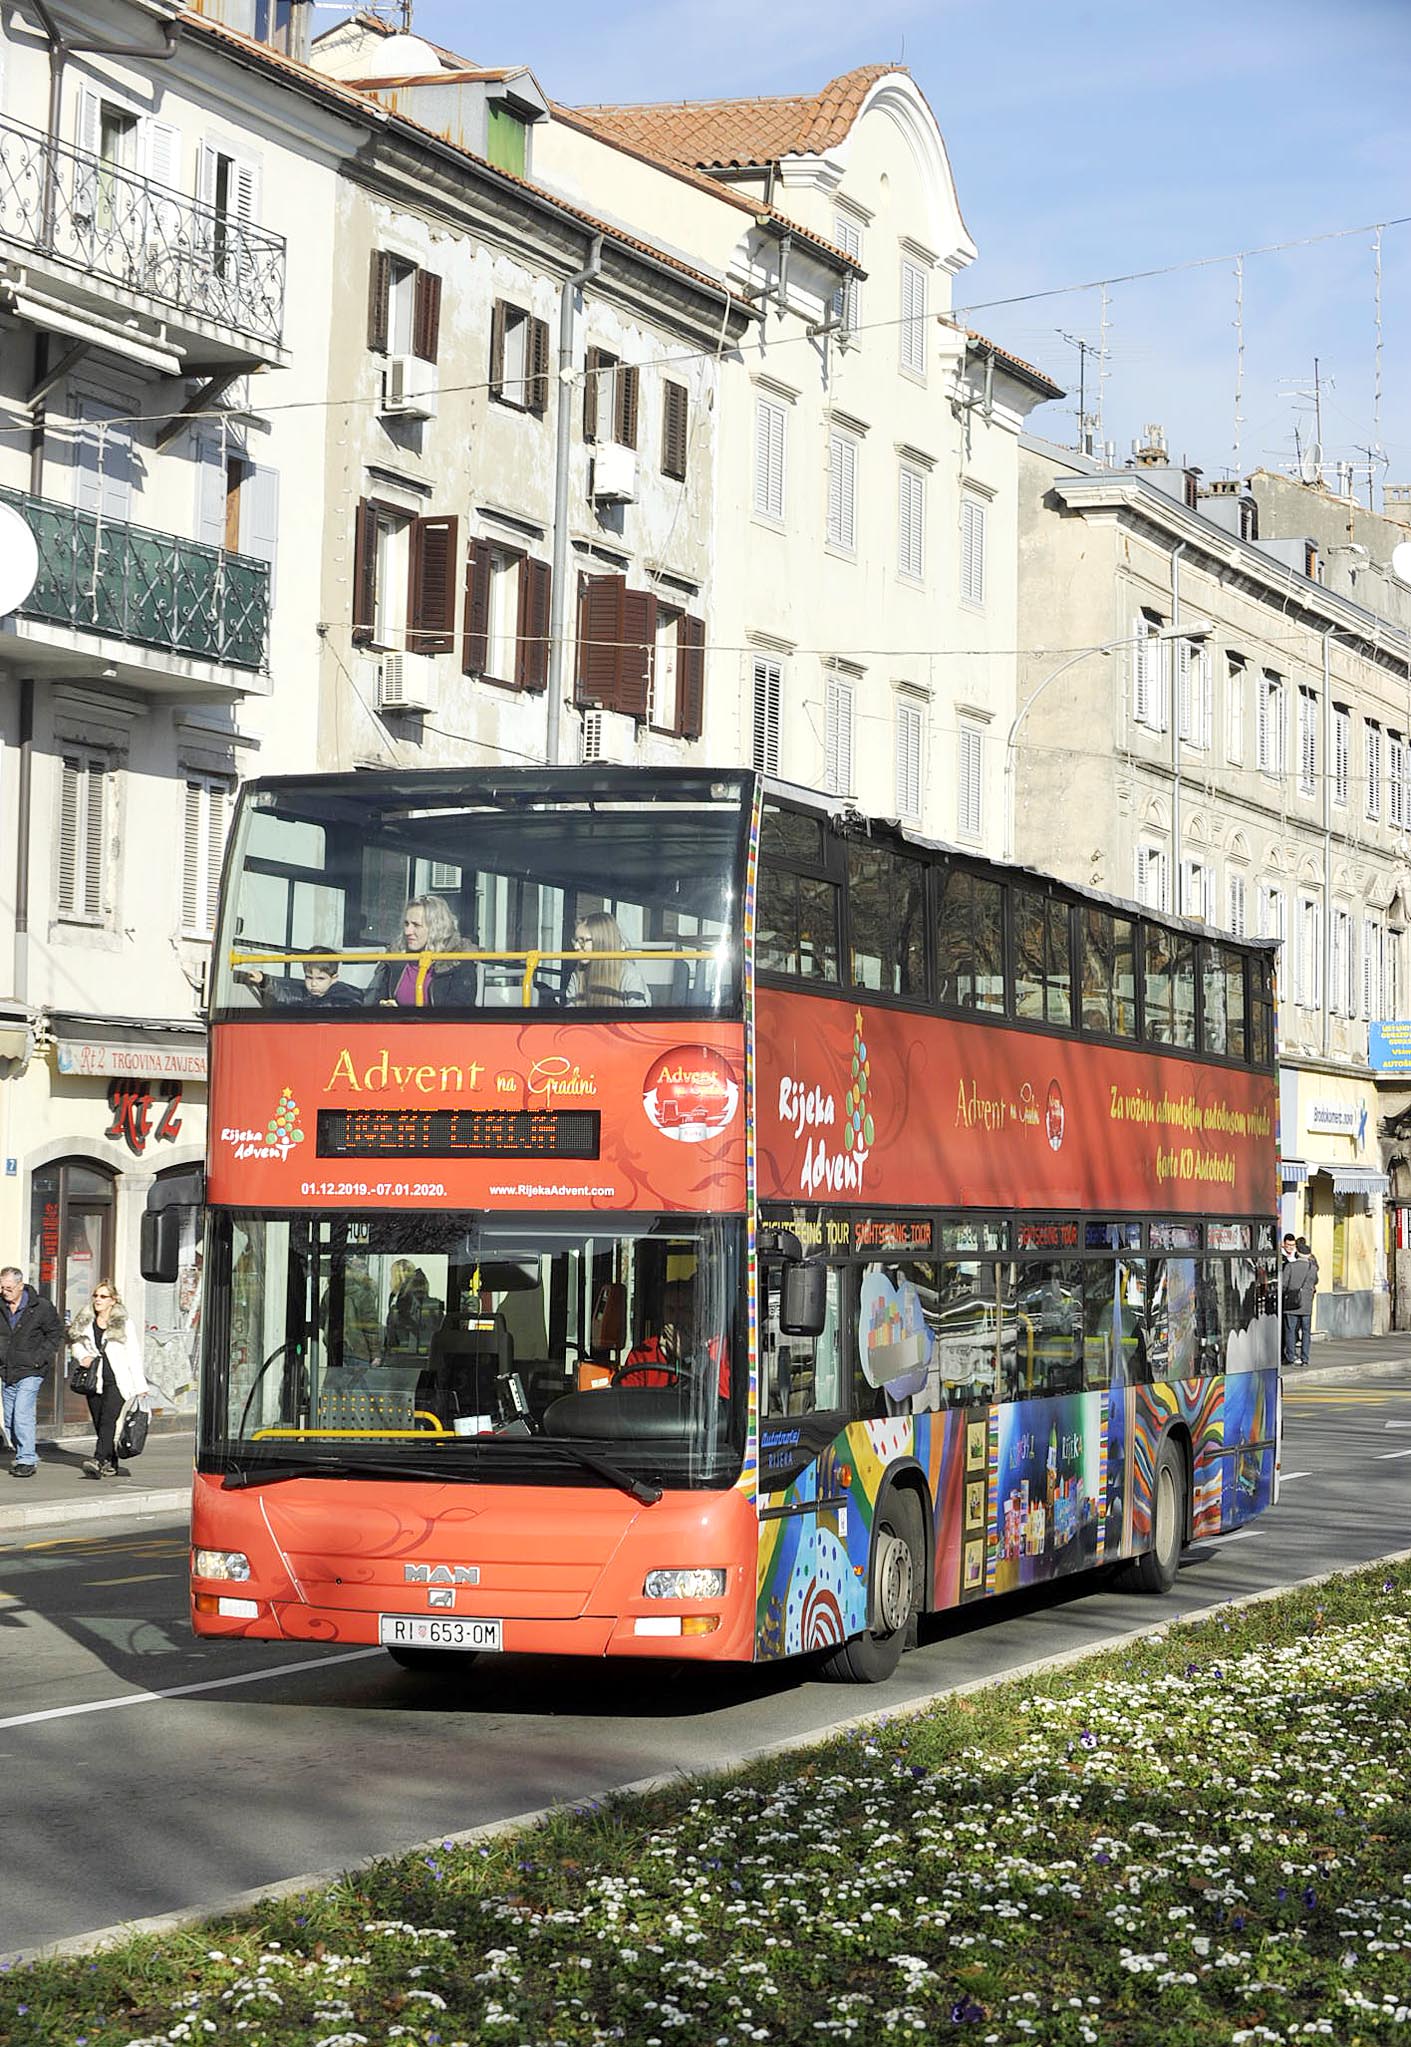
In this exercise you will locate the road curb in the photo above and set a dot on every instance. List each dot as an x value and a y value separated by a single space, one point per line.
111 1506
910 1709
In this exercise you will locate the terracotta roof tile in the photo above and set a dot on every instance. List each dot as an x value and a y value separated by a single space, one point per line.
741 134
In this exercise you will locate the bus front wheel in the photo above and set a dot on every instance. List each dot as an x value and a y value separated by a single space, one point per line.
1155 1570
894 1596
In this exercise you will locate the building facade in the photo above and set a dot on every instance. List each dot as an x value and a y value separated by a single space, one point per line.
1208 725
167 196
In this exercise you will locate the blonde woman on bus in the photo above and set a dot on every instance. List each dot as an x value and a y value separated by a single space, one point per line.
605 983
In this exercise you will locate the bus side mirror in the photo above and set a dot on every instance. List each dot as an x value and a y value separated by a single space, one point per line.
161 1245
803 1299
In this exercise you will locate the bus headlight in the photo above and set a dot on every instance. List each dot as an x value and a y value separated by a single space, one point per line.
227 1564
702 1583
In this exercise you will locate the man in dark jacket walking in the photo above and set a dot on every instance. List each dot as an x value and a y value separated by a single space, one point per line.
30 1335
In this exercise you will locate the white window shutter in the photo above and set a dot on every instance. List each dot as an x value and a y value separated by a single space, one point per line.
93 876
908 761
911 523
769 459
913 317
767 679
842 491
970 813
972 550
259 516
70 789
1141 676
837 742
1236 889
161 153
191 858
210 490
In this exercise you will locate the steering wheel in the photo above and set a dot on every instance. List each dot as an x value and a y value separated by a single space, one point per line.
646 1374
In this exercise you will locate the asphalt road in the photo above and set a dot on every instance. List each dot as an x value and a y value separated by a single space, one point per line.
145 1773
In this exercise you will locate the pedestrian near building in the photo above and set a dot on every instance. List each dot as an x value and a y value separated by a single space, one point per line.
30 1335
1300 1285
101 1332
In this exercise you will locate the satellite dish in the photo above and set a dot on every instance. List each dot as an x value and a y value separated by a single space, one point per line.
1310 463
19 560
1401 560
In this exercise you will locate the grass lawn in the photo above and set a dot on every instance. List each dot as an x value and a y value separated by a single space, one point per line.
1203 1837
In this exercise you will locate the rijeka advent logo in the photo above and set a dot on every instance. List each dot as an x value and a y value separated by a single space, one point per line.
279 1136
690 1093
834 1154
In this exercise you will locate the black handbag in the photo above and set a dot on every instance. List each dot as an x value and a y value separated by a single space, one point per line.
131 1432
83 1375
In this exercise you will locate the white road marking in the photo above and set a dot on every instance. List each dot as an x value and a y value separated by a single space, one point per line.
1387 1456
1286 1476
1218 1541
212 1684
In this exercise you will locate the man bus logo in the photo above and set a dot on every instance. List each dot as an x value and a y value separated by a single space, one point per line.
441 1574
690 1093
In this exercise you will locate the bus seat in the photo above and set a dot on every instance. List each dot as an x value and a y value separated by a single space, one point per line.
463 1368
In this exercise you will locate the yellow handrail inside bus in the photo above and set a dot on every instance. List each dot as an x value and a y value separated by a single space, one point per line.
420 1414
533 960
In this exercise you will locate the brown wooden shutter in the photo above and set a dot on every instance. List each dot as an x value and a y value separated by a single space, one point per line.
497 350
532 665
475 641
594 375
690 677
674 412
538 361
600 640
431 620
379 299
639 629
426 315
624 424
364 573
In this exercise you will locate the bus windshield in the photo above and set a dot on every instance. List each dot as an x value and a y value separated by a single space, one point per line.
471 893
480 1347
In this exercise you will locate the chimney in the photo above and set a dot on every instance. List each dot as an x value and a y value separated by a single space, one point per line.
1151 453
1396 502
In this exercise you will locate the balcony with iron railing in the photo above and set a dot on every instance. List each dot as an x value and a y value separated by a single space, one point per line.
131 587
96 225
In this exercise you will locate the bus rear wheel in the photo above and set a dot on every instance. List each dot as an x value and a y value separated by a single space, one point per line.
1155 1570
894 1596
432 1662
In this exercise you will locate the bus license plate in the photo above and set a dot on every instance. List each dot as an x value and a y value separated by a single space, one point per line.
437 1631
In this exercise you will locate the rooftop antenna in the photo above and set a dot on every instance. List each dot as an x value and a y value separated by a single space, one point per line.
1089 423
1239 357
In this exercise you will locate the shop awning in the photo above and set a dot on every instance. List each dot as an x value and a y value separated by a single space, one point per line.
1359 1180
1294 1171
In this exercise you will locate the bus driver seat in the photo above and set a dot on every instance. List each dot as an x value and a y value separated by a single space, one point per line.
468 1354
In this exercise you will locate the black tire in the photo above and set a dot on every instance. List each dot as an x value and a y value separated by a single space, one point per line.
896 1587
1155 1570
432 1662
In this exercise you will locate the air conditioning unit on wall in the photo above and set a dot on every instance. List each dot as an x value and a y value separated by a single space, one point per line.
608 736
406 682
409 387
615 473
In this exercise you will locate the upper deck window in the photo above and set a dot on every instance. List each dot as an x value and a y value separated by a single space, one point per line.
887 911
477 892
970 941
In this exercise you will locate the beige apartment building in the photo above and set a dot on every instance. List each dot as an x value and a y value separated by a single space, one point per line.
1213 720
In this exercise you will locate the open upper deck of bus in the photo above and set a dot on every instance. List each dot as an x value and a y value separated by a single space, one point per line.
843 905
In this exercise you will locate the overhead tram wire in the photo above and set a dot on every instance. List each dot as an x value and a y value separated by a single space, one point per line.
678 359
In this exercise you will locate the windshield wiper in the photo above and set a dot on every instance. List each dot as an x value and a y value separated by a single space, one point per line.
605 1468
337 1467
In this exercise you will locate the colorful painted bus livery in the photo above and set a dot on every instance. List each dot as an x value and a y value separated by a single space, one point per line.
791 1228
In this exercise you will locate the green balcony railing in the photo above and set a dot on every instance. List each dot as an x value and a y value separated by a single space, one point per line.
100 575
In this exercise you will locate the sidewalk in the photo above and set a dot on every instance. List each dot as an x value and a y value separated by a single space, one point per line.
62 1493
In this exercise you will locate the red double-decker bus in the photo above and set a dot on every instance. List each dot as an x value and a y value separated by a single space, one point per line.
655 1213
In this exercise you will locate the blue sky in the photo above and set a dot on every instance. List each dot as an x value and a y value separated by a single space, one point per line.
1093 138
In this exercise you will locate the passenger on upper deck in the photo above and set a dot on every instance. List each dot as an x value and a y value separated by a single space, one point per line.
320 988
428 925
605 983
